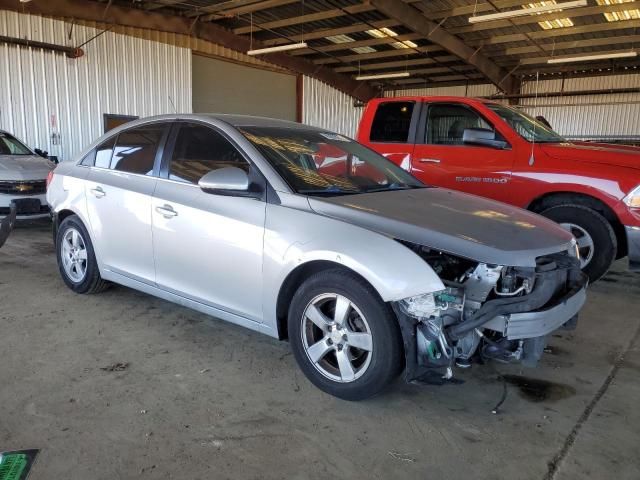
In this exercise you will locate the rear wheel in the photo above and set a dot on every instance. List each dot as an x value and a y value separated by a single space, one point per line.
344 337
594 235
76 258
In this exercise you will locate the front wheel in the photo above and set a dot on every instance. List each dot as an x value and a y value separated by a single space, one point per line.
595 238
343 336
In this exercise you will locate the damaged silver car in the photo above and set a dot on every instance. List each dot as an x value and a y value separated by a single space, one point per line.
306 235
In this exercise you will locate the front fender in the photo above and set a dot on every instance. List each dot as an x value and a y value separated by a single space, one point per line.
295 237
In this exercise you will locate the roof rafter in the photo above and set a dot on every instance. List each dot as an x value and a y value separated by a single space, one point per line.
416 21
309 17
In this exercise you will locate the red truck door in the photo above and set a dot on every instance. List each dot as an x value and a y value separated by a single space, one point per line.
392 130
442 158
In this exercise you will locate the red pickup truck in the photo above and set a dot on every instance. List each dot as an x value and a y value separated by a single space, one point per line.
496 151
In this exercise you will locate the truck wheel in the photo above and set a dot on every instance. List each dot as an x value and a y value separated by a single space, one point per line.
596 239
344 338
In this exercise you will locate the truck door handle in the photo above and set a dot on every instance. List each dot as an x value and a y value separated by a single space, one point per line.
429 160
98 192
167 211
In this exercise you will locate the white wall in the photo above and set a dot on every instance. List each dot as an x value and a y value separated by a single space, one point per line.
44 94
324 106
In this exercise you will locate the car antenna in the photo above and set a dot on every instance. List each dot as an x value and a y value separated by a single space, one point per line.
172 104
532 159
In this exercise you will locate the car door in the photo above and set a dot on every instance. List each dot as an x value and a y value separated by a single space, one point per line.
208 247
118 192
441 157
393 130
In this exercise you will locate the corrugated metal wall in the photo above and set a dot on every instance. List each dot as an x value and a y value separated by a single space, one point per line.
324 106
57 103
588 116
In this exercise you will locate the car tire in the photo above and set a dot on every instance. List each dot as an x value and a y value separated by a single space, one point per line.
364 351
76 257
588 226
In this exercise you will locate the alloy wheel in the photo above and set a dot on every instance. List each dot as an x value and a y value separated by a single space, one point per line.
336 338
74 255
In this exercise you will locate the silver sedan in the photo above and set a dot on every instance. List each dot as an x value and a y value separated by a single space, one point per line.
306 235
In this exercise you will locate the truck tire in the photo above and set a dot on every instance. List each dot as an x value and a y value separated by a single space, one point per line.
345 339
596 238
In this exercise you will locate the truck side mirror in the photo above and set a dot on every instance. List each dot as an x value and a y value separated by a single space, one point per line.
482 136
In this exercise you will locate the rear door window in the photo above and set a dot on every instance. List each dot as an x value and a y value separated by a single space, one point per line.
392 122
136 149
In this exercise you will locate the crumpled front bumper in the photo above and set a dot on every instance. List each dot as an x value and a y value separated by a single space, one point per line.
633 244
517 326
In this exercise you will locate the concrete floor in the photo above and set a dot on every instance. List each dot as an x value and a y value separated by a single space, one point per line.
203 399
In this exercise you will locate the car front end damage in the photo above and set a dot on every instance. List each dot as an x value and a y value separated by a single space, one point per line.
491 312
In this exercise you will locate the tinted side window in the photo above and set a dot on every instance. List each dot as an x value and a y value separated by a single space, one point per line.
391 122
103 153
200 149
446 123
135 150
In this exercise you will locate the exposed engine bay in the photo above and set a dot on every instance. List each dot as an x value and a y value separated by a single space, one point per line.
488 312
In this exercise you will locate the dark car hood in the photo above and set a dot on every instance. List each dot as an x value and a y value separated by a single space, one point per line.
454 222
622 156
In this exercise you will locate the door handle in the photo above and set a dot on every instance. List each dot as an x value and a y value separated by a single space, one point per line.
167 211
429 160
98 192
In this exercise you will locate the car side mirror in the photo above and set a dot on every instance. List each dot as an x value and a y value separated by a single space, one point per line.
42 153
482 136
226 181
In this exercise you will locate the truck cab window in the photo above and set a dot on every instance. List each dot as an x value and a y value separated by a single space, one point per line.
446 124
392 122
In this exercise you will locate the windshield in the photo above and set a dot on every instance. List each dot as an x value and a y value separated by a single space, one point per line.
527 127
323 163
10 146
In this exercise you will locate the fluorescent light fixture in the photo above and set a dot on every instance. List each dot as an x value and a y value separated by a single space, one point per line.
587 58
279 48
523 12
383 75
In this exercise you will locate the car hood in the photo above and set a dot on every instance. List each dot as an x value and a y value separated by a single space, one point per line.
601 153
465 225
24 167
